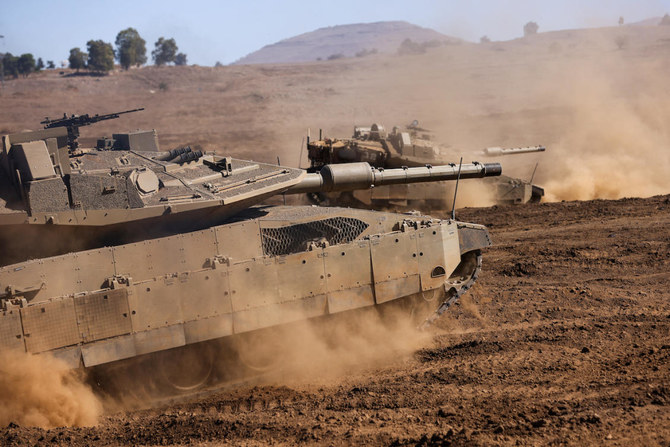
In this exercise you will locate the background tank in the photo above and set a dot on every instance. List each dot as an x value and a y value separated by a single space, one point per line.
412 147
155 254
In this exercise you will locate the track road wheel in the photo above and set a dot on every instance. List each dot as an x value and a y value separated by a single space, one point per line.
184 369
261 351
413 308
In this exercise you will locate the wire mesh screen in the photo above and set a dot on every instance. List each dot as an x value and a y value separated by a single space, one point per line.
297 238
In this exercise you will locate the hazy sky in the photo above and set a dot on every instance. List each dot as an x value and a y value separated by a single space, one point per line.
209 31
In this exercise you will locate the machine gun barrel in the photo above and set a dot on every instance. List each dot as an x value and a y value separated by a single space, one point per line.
83 120
498 151
74 122
352 176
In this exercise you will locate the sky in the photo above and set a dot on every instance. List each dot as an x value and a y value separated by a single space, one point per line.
211 31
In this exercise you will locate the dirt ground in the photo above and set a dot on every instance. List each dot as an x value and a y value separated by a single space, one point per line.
564 340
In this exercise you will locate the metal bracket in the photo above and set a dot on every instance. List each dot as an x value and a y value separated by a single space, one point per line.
218 260
119 281
13 303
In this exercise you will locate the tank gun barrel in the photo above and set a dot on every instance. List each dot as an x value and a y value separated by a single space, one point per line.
352 176
498 151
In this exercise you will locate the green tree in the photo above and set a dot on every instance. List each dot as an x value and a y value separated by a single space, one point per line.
39 65
77 59
180 59
165 52
26 64
51 65
10 65
100 56
130 48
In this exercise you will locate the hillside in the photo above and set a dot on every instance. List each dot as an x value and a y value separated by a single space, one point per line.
344 41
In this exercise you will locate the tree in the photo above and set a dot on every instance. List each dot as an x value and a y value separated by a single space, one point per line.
665 21
77 59
530 28
39 65
51 65
484 39
620 20
26 64
165 52
100 56
130 48
180 59
10 65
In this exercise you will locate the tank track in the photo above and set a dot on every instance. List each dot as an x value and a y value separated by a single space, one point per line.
454 292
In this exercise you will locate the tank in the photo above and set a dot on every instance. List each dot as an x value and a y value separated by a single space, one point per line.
413 146
123 253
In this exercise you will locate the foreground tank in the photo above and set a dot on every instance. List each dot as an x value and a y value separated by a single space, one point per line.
152 251
412 147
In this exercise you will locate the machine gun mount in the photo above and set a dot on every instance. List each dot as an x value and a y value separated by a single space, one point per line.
74 122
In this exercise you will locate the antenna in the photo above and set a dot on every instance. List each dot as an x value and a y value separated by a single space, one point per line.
283 194
458 177
533 176
302 146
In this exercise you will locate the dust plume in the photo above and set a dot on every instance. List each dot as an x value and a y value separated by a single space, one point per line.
465 317
41 391
473 193
615 146
469 306
324 350
309 351
601 111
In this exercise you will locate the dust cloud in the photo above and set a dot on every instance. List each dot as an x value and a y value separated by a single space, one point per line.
326 350
307 352
41 391
602 112
614 147
472 193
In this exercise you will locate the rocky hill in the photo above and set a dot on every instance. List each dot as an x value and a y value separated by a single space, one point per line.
345 41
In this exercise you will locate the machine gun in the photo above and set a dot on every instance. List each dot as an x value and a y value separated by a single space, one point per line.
74 122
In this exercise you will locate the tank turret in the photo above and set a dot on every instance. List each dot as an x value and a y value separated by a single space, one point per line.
412 147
